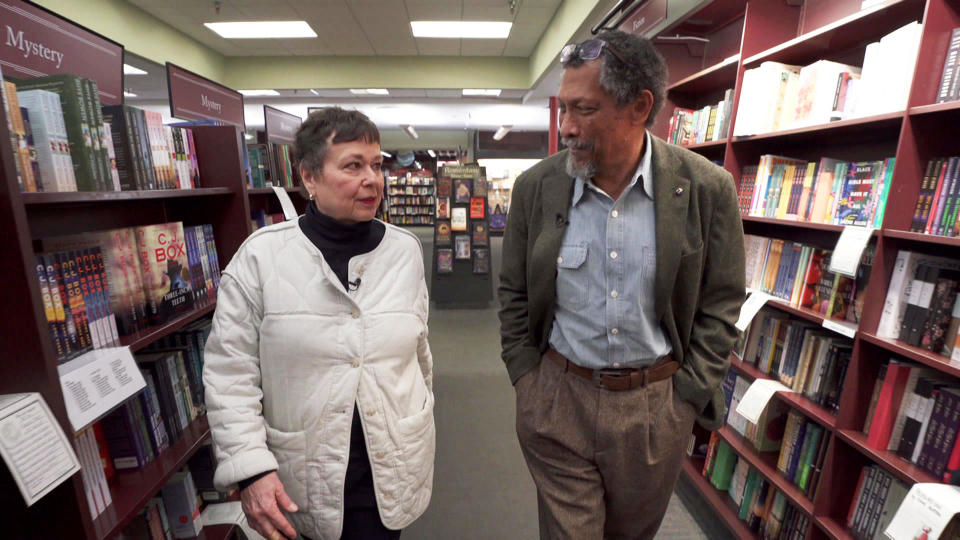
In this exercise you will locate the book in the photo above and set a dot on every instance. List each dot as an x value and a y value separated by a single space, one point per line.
462 190
948 85
165 270
461 246
443 233
481 260
888 404
444 260
458 220
479 230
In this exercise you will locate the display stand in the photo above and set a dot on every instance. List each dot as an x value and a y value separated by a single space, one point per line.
461 254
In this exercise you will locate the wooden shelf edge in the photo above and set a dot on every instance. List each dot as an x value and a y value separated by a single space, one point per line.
269 191
853 122
726 63
708 144
743 448
832 528
925 357
217 532
142 339
790 223
36 199
934 108
131 491
795 400
832 27
901 468
921 237
720 501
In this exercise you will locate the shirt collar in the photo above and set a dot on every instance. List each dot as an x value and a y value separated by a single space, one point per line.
644 169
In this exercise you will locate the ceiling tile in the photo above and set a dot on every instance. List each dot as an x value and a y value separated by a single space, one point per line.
541 3
445 93
387 9
305 47
438 47
497 12
531 15
335 10
407 93
425 10
482 47
351 47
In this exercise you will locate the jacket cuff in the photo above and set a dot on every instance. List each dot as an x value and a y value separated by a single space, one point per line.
690 390
243 466
244 484
525 359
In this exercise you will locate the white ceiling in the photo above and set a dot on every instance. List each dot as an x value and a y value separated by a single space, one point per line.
359 27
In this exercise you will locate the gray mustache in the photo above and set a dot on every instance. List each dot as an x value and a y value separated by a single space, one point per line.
578 145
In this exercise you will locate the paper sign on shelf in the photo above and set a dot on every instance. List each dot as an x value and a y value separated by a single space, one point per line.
750 308
755 399
846 254
34 447
230 513
97 382
925 512
289 212
841 328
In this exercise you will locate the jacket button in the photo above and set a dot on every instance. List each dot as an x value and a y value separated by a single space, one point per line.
381 455
355 314
355 363
371 412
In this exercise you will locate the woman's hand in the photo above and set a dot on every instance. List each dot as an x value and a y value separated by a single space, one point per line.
261 503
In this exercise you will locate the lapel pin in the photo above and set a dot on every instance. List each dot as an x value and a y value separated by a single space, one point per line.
678 192
560 221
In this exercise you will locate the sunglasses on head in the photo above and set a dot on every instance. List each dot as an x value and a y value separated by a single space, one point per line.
589 50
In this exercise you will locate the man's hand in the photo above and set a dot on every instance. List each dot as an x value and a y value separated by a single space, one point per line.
260 502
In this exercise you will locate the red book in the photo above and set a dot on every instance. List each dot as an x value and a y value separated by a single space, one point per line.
105 460
856 497
888 405
953 464
931 219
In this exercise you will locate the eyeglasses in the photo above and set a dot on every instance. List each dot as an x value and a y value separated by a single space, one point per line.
589 50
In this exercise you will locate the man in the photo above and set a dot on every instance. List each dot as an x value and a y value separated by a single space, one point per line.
622 277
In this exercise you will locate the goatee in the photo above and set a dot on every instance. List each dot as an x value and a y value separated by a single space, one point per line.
576 168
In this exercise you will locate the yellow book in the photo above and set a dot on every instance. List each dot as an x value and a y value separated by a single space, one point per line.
786 190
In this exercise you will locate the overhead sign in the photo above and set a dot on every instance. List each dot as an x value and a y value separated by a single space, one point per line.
36 42
280 126
645 17
193 97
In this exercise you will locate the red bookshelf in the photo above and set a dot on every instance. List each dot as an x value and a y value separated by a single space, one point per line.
131 490
901 468
936 108
790 223
708 144
923 356
149 335
797 401
766 465
34 199
833 529
864 126
719 500
721 75
951 241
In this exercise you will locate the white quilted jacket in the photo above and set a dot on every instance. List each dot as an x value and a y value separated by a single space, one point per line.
290 354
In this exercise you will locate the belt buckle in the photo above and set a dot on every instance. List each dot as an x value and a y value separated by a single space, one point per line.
599 374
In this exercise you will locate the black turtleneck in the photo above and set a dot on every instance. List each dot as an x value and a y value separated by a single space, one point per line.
339 242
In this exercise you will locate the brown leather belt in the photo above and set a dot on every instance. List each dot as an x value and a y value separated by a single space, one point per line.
619 380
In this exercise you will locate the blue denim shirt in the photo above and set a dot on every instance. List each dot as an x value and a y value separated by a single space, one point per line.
605 316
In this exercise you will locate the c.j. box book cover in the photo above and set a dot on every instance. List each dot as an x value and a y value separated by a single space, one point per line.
166 274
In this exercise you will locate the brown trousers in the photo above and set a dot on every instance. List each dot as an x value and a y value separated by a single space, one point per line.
604 463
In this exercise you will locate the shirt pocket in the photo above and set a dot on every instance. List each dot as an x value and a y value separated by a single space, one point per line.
573 283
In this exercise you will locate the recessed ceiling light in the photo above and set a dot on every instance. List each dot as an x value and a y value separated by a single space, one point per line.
369 91
127 93
502 132
262 29
130 70
412 133
432 153
248 136
259 92
314 92
461 29
386 154
481 92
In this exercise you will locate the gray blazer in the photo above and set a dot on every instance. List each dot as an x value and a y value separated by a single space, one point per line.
699 275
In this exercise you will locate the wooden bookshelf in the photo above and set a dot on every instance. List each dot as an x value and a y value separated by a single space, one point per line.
766 464
88 197
951 241
923 356
795 224
833 529
720 75
720 501
131 490
899 467
795 400
866 126
935 108
218 532
269 191
149 335
708 144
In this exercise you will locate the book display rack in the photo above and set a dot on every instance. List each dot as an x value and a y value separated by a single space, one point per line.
222 200
741 36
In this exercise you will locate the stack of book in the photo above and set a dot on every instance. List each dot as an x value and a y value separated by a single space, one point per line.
94 469
270 165
825 191
875 502
172 513
921 307
764 508
950 77
804 357
803 452
711 123
938 202
153 273
151 155
798 274
260 219
914 411
778 96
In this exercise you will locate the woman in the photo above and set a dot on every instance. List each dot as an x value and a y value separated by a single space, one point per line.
318 373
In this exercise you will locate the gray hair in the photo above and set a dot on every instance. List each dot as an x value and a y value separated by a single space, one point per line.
625 82
326 126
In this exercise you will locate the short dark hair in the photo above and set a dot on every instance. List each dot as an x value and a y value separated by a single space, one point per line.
646 70
313 137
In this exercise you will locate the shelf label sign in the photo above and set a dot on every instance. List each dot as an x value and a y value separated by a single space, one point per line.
279 126
846 255
98 381
755 400
36 43
193 97
645 17
750 308
925 512
34 446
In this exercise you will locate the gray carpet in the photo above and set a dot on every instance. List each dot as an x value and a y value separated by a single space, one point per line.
482 489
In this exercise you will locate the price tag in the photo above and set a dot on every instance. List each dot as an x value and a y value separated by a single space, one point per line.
97 382
846 254
755 400
750 308
289 212
843 329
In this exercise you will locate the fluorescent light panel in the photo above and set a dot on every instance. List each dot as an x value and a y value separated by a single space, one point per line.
481 92
432 153
259 92
412 133
262 29
386 154
128 94
502 132
369 91
461 29
130 70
